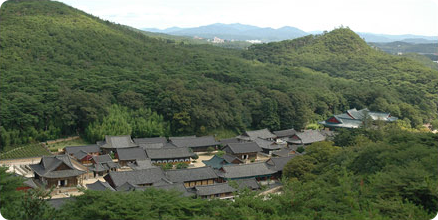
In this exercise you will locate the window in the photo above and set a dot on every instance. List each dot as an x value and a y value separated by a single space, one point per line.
62 182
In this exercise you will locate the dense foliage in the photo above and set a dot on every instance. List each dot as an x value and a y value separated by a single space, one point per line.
384 173
18 204
62 70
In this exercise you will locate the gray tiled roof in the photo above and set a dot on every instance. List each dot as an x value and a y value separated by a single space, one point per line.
285 133
250 183
204 141
179 187
169 153
157 142
266 144
135 153
353 118
80 154
278 163
138 177
238 148
230 158
123 141
30 183
127 186
141 164
182 137
224 142
154 140
104 166
285 151
99 186
215 162
307 137
48 164
214 189
102 158
88 149
262 133
193 174
246 170
59 202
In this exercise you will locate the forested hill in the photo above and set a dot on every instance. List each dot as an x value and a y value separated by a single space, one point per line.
342 53
65 72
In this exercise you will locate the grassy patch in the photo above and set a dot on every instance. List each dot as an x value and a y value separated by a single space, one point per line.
224 133
61 145
29 150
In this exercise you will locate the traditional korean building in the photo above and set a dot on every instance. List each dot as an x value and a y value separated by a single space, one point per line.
92 150
277 164
145 177
284 133
250 183
141 164
129 155
268 146
83 153
179 187
218 190
57 171
224 142
197 144
103 164
306 137
252 135
169 155
217 162
354 118
151 143
193 177
259 171
99 186
243 151
112 143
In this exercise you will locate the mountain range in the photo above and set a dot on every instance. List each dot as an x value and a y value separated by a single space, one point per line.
244 32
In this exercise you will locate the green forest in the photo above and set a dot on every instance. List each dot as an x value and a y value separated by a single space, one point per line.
65 72
384 173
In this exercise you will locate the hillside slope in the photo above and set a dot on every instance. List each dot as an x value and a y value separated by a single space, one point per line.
342 53
62 69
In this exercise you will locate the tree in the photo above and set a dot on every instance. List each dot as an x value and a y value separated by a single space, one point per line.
35 205
210 150
299 166
9 196
181 165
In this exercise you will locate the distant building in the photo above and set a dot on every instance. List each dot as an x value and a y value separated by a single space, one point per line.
197 144
218 190
355 118
259 171
305 137
243 151
252 135
218 40
112 143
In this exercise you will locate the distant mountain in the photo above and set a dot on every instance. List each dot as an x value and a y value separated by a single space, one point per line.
235 31
385 38
244 32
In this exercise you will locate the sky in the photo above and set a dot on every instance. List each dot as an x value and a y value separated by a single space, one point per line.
419 17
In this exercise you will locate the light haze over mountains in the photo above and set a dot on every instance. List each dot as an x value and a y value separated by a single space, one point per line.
242 32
